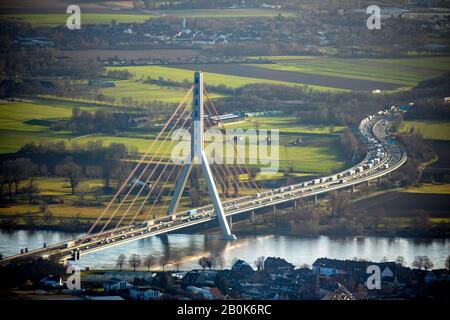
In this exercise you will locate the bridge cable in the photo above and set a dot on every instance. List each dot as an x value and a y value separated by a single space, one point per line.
223 127
141 160
236 172
153 186
142 173
152 172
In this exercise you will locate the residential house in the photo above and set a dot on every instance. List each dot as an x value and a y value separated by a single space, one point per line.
242 267
199 278
116 285
341 293
277 265
145 293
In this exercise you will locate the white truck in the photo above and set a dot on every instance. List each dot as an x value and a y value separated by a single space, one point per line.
69 244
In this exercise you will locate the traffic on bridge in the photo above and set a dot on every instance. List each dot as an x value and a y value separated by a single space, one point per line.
383 156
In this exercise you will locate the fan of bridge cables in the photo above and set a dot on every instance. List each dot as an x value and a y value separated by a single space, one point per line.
146 191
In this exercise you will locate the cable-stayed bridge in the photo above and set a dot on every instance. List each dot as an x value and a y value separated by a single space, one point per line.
127 217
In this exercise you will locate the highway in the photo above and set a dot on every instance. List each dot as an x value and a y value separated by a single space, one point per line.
383 156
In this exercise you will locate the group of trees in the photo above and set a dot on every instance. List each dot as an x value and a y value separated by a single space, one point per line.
221 88
100 120
15 172
419 151
212 261
351 146
135 261
422 262
44 62
91 160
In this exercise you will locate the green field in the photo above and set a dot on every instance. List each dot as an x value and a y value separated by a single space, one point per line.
404 72
430 188
179 75
227 13
284 125
434 130
20 124
24 122
14 115
143 92
55 19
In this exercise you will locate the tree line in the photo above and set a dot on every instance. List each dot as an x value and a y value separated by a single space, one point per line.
93 160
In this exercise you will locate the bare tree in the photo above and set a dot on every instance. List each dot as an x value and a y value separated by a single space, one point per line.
203 262
148 260
177 264
427 263
211 261
259 263
340 204
71 171
134 261
400 261
422 262
418 262
220 261
233 261
121 261
163 262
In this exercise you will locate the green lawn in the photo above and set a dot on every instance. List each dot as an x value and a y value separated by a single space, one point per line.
435 130
15 131
143 92
13 115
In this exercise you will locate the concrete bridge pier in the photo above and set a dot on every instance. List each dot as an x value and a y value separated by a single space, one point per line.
316 201
379 180
274 208
353 189
230 221
252 216
294 204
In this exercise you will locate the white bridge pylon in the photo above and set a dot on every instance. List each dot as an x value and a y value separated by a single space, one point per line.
197 156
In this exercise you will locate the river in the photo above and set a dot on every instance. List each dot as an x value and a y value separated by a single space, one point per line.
188 248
